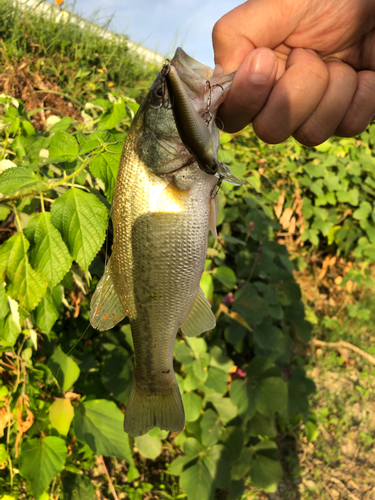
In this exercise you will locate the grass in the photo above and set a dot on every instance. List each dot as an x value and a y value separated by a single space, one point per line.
68 57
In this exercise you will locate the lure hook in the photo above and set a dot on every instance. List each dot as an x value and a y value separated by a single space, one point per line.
165 101
207 115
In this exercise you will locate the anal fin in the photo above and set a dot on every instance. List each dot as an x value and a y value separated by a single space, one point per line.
201 318
106 309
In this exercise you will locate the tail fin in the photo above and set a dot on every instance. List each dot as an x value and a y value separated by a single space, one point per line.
145 411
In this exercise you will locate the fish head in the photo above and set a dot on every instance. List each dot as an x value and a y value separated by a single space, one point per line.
162 143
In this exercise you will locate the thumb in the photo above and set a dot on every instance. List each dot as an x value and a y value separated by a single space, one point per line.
255 23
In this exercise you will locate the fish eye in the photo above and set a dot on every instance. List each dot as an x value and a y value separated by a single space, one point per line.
159 92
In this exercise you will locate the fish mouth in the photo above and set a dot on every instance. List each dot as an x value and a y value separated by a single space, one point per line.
199 84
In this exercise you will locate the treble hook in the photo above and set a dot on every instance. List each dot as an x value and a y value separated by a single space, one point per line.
208 112
215 190
165 103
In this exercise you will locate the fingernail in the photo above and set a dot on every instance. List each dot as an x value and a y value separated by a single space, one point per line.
218 71
262 67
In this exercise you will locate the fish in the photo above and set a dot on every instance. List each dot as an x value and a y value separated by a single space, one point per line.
164 205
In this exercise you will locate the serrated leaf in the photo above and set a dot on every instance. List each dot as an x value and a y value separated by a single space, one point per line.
148 446
61 414
105 167
41 460
64 369
112 117
82 220
63 146
99 423
17 178
24 284
48 253
46 313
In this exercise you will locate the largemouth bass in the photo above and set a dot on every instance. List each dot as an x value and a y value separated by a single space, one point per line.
163 207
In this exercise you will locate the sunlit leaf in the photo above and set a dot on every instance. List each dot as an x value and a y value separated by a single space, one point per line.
82 221
41 460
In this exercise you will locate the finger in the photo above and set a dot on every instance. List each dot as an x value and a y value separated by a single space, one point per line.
333 106
250 89
255 23
294 97
362 108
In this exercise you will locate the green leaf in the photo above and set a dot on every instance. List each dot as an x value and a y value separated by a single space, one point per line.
63 147
363 211
82 220
4 309
242 395
224 406
219 360
197 482
266 473
17 178
226 276
197 345
61 125
4 455
207 286
250 305
46 313
271 395
61 414
77 487
193 405
311 431
112 117
24 284
183 353
99 423
118 374
105 167
211 426
48 253
217 380
64 369
41 460
148 446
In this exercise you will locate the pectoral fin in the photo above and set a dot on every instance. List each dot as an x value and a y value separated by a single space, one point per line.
106 309
200 319
213 215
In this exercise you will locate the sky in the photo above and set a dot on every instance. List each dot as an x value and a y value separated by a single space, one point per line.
162 25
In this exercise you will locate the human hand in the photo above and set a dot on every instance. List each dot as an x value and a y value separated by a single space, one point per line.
325 88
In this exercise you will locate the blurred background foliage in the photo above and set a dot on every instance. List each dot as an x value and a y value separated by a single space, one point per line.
295 251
